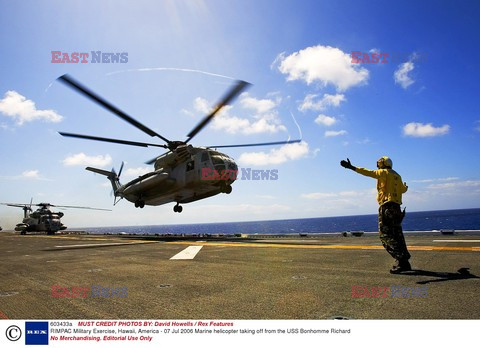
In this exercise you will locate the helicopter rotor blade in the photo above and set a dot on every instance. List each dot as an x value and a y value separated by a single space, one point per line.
76 207
17 205
111 140
152 161
258 144
69 81
120 171
236 89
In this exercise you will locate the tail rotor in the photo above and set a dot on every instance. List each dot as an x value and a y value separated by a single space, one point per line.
114 180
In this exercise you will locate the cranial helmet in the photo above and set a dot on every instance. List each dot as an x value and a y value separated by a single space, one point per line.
384 162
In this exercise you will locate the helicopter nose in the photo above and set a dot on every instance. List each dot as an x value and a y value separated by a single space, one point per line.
233 170
231 165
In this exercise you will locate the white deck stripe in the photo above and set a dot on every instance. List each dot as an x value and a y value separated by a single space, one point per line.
458 240
187 254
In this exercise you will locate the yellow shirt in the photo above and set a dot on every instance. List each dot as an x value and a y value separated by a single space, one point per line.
390 186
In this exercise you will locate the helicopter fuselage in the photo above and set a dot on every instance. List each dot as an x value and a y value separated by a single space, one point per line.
178 178
41 220
179 174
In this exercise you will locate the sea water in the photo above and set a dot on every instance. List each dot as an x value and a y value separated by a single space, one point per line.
462 219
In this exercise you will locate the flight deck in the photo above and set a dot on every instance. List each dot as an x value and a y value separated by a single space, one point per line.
243 277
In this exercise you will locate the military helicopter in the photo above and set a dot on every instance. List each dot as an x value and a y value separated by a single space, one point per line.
42 219
178 173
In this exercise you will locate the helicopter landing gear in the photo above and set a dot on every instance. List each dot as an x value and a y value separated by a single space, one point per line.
177 208
139 204
227 189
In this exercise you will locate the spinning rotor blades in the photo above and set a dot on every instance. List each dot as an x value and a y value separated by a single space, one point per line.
110 140
69 81
258 144
239 86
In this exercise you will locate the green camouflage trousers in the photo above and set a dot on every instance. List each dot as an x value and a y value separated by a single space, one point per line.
390 228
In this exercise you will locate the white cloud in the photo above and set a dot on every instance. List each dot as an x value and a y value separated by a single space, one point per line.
23 110
323 64
266 197
468 184
401 76
280 155
335 133
265 119
33 174
80 159
134 172
436 179
364 141
447 194
234 124
343 194
30 174
187 112
420 130
259 105
361 200
201 105
325 120
328 100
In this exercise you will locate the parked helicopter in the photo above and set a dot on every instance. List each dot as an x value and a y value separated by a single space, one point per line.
42 219
177 175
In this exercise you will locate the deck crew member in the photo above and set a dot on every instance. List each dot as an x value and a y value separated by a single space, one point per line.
390 189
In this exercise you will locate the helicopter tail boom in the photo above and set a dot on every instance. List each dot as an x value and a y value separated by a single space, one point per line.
112 176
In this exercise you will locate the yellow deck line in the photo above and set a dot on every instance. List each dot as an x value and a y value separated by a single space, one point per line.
94 239
295 246
273 245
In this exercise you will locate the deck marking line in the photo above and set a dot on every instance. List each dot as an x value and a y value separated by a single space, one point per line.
188 253
353 247
68 246
457 240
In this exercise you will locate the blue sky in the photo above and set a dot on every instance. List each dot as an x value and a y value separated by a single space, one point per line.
420 108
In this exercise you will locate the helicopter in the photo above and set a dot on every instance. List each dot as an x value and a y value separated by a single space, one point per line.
177 174
42 219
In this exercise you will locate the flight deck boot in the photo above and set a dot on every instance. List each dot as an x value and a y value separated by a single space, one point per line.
401 266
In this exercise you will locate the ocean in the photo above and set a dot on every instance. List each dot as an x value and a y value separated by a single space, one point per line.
461 219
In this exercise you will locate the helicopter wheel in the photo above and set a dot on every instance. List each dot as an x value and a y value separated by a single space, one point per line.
177 208
139 204
227 189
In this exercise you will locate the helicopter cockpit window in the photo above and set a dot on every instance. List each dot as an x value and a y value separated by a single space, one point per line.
190 165
204 157
218 163
217 160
